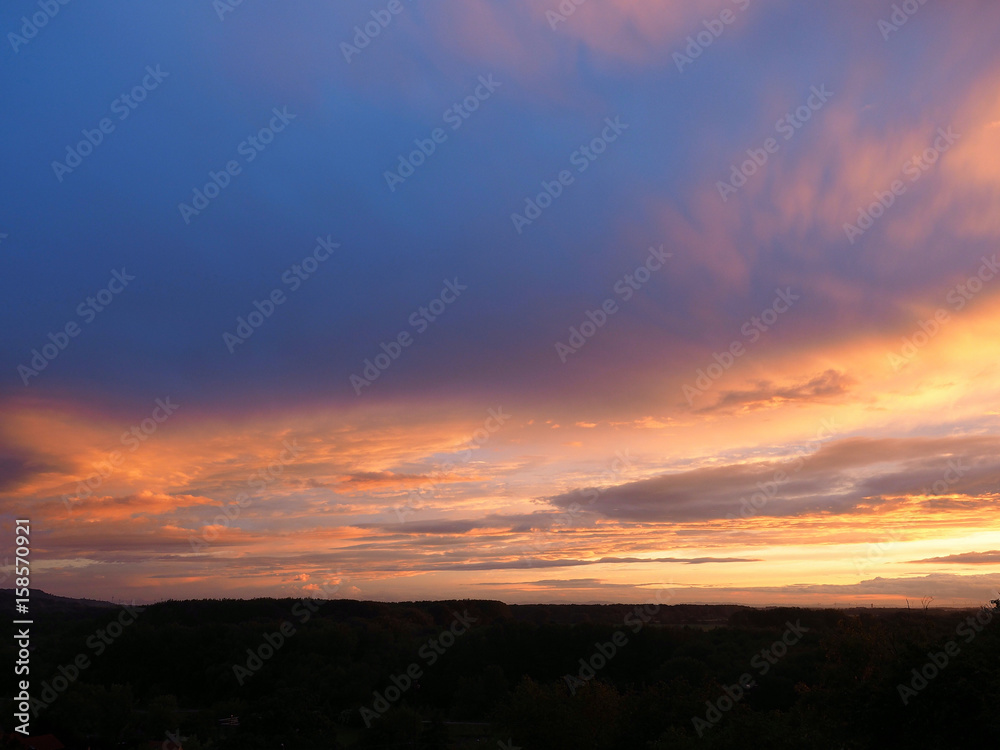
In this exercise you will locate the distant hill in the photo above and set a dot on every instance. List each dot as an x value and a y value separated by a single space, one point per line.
45 603
239 610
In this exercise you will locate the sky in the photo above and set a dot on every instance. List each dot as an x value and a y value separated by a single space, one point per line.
598 301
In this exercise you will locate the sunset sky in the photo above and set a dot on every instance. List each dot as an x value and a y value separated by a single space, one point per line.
505 301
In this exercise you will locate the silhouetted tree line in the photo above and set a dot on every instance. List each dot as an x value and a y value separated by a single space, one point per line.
505 679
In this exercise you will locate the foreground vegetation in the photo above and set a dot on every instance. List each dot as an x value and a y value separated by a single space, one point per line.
347 674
